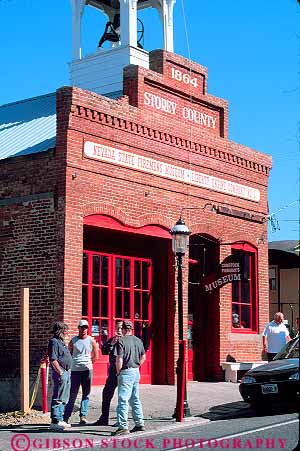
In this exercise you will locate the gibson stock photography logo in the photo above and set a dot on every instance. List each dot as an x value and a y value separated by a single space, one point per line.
22 442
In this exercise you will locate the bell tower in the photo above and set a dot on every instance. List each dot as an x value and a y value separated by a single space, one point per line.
102 71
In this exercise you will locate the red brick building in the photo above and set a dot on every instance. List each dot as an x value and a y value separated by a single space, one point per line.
86 215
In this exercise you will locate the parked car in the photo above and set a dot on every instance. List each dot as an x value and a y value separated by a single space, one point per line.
274 381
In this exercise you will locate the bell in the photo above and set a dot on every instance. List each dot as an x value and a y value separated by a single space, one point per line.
140 33
111 32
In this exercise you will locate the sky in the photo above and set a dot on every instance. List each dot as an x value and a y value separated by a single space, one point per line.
251 50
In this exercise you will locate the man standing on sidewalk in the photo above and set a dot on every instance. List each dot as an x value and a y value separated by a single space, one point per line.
84 352
275 336
61 361
111 383
130 355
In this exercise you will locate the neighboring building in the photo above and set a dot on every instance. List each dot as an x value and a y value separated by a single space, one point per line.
91 184
284 263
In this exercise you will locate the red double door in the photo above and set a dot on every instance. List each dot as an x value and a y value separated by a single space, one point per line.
116 287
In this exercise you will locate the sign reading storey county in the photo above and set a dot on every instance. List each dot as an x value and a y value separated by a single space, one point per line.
187 113
170 171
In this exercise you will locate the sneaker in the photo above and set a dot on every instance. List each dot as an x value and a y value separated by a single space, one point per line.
138 429
66 424
100 422
83 420
121 431
60 426
115 425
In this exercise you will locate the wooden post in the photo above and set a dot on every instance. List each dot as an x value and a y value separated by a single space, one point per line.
24 350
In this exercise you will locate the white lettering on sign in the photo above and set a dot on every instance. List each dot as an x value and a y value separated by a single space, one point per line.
184 77
199 118
170 171
222 281
189 114
160 103
230 267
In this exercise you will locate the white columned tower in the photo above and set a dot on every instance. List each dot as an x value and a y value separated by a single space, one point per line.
166 13
102 71
77 12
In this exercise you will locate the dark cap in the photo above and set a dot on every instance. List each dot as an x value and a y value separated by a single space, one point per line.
127 325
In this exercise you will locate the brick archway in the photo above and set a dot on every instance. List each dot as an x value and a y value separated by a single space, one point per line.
110 234
117 213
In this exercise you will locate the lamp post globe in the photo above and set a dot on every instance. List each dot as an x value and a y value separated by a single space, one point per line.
180 235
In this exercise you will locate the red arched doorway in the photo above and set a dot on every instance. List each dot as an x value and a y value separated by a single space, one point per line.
203 309
120 281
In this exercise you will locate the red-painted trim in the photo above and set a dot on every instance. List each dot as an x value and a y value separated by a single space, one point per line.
108 222
247 247
100 366
253 329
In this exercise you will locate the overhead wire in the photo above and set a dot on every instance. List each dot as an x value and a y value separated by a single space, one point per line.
283 208
185 30
191 100
272 217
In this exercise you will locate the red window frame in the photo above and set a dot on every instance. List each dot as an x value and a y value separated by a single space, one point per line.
138 294
249 302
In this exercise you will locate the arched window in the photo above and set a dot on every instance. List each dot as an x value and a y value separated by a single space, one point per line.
244 291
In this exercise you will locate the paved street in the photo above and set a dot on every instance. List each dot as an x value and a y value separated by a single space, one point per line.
220 420
269 432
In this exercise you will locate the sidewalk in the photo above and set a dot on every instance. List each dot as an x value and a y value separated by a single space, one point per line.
158 404
159 401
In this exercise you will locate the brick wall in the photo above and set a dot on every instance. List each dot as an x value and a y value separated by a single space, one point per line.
138 198
31 239
44 235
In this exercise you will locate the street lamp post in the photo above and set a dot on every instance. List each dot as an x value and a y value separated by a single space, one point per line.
180 234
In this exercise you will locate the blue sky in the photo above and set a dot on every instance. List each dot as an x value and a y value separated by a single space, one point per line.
251 50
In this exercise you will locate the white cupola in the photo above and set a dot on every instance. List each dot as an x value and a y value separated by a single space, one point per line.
102 71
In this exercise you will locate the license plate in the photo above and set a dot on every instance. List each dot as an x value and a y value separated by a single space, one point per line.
269 388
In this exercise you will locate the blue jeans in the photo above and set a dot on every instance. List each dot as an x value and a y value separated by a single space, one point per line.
128 393
61 393
83 379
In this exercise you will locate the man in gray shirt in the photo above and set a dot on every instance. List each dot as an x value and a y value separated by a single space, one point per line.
130 355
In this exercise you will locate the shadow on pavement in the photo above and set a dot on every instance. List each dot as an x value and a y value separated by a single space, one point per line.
37 429
44 428
241 409
25 427
160 420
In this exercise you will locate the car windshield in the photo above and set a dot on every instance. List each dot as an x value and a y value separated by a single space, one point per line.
289 351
